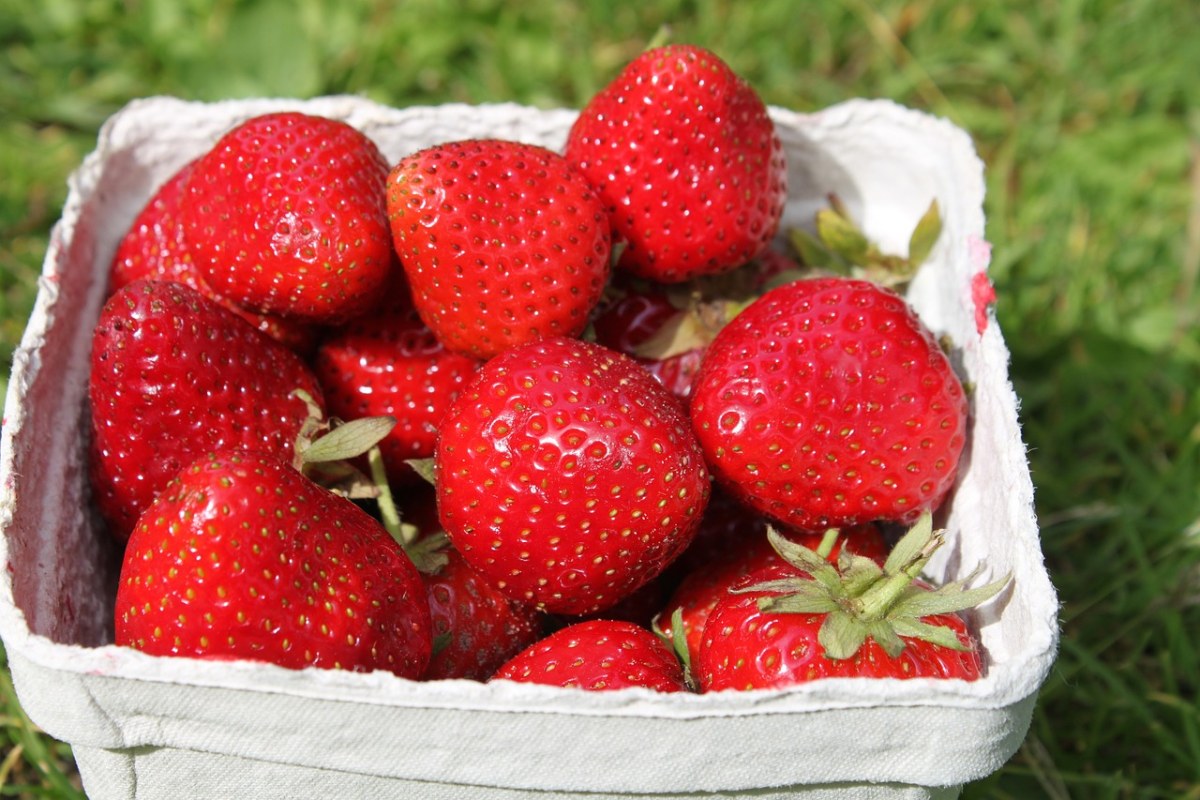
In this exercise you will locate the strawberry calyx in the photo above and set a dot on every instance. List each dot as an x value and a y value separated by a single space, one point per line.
840 246
688 329
324 448
861 599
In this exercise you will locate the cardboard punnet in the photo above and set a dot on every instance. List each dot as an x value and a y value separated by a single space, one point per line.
149 727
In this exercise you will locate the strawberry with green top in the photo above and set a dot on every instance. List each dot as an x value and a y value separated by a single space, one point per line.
173 376
688 162
568 475
242 556
502 243
828 403
706 585
806 619
598 655
285 215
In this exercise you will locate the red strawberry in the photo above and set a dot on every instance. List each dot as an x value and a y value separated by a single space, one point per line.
475 627
568 475
241 556
708 583
808 619
502 243
285 215
173 376
154 248
687 161
390 363
827 403
598 655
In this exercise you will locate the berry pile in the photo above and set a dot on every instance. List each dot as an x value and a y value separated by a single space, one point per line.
499 412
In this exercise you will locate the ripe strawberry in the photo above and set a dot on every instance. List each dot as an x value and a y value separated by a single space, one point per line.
502 243
568 475
598 655
285 215
687 161
154 248
390 363
827 403
708 583
173 376
476 628
808 619
241 556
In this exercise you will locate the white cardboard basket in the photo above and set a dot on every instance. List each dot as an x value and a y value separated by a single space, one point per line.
150 727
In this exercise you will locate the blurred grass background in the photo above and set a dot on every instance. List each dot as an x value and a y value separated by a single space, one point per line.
1087 114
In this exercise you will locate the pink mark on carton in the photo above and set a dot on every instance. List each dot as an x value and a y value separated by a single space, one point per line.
983 293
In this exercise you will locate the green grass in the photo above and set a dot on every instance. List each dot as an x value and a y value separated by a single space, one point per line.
1087 115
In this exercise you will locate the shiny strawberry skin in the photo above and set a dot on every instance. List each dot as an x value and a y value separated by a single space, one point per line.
476 628
568 475
390 363
827 403
745 648
285 215
598 655
155 248
173 376
241 556
502 243
687 160
707 584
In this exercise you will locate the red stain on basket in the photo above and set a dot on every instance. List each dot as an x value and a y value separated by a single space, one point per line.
983 293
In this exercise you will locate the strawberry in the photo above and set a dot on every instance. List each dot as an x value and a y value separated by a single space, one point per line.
598 655
390 363
808 619
476 628
241 556
174 375
568 475
828 403
708 583
688 163
285 215
154 248
502 243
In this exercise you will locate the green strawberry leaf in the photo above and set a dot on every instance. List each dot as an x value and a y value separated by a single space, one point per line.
807 600
841 635
811 249
885 634
424 467
805 560
934 634
911 546
859 573
843 237
925 235
428 553
948 599
349 440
